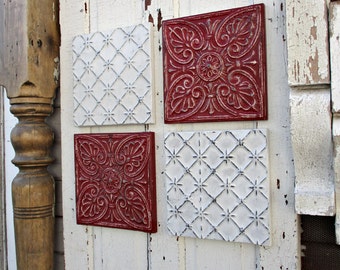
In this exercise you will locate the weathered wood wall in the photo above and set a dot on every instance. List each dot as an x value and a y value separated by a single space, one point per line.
88 247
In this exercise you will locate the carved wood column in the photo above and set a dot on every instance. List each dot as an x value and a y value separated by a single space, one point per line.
33 187
29 70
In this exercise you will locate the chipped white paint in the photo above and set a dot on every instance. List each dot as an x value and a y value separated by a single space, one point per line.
336 141
310 99
307 40
97 248
334 32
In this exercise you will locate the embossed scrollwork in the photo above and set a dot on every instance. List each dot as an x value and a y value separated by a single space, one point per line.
93 155
132 208
185 97
215 66
132 153
113 174
184 40
238 33
92 204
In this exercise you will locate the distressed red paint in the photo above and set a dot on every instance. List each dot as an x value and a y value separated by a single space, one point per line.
115 180
215 66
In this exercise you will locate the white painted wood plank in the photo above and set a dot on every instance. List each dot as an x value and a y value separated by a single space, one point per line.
307 38
219 255
106 15
164 251
193 7
160 9
119 249
74 20
334 44
283 252
334 31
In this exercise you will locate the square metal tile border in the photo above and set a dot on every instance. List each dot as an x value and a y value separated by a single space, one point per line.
117 90
215 70
224 198
116 180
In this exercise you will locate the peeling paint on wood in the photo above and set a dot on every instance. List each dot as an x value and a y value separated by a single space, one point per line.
307 50
309 78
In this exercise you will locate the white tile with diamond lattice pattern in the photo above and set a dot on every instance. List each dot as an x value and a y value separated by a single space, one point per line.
217 185
112 77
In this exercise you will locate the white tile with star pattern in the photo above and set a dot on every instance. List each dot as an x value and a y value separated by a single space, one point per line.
112 77
217 185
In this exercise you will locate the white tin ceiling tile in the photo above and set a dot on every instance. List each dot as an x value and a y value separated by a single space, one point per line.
112 77
217 185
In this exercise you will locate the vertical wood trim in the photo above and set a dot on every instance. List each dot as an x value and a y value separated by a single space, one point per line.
334 42
284 253
74 21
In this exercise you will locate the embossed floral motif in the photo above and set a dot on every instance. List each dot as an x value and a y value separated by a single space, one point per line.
215 66
115 177
112 179
209 66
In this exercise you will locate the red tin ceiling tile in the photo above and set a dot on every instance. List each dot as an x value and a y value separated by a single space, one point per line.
215 66
115 180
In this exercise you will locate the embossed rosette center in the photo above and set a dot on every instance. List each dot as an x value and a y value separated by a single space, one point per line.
209 66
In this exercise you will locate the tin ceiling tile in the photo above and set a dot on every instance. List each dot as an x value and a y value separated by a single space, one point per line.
217 185
115 180
215 66
112 77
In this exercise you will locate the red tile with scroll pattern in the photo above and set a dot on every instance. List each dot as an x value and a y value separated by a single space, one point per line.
215 66
115 180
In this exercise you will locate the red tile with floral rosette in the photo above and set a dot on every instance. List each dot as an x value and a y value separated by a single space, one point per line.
215 66
115 180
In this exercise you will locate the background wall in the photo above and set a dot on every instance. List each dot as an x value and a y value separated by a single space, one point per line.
88 247
10 171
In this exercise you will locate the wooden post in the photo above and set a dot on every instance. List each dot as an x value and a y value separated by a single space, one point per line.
29 71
